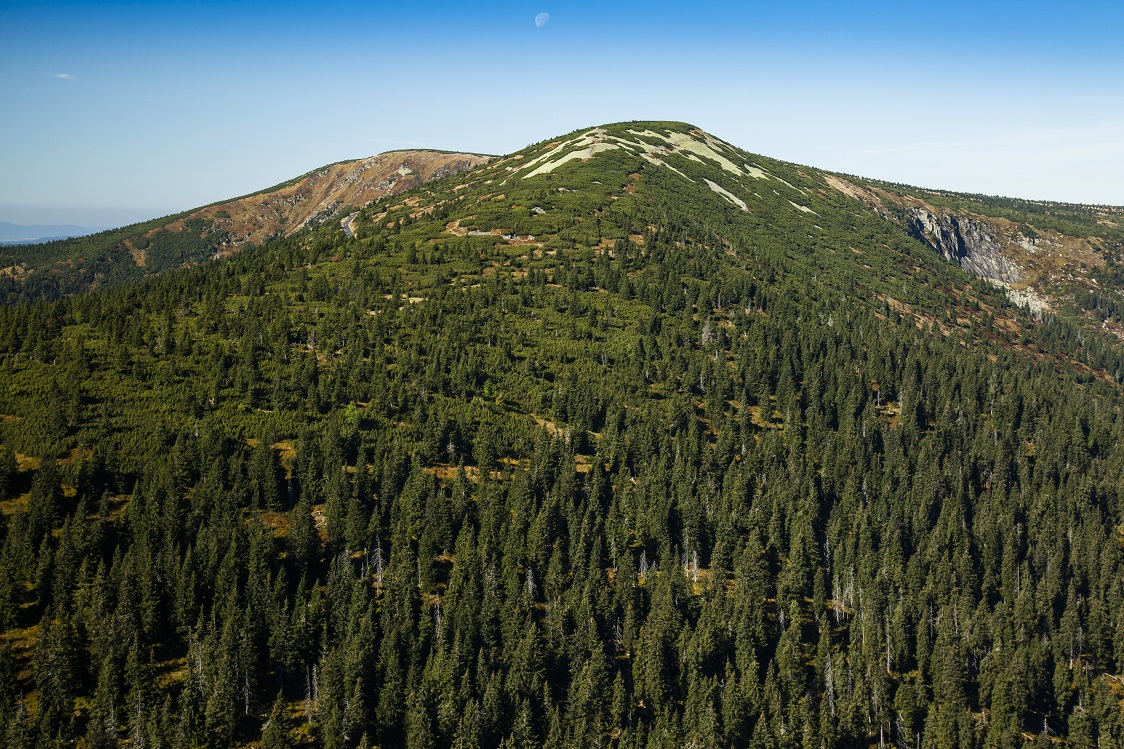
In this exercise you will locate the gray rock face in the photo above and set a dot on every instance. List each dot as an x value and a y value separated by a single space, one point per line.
966 242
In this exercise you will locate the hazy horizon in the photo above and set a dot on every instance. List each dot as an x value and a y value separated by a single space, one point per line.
121 112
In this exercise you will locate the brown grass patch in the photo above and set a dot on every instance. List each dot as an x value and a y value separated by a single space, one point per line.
757 418
277 522
28 462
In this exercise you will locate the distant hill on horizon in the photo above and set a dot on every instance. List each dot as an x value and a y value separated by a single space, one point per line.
34 233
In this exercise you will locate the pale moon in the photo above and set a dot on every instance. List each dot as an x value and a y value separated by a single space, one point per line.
541 19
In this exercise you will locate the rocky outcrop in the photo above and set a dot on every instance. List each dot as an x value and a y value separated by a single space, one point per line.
966 242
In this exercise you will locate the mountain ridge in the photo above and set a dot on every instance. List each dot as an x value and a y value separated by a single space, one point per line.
320 194
220 229
1056 265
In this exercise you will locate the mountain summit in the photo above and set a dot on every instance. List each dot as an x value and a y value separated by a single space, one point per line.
1029 248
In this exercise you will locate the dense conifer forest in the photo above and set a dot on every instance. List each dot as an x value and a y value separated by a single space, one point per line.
593 457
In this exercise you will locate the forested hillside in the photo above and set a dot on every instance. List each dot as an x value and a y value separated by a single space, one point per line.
629 439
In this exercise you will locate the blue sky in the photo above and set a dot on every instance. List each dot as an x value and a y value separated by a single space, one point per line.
114 112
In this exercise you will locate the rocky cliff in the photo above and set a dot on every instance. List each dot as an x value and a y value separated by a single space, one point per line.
1022 251
966 241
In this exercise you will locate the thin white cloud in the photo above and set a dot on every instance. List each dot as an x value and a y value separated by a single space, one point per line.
63 76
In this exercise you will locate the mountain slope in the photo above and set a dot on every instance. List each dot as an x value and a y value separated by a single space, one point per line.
220 229
315 197
628 439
